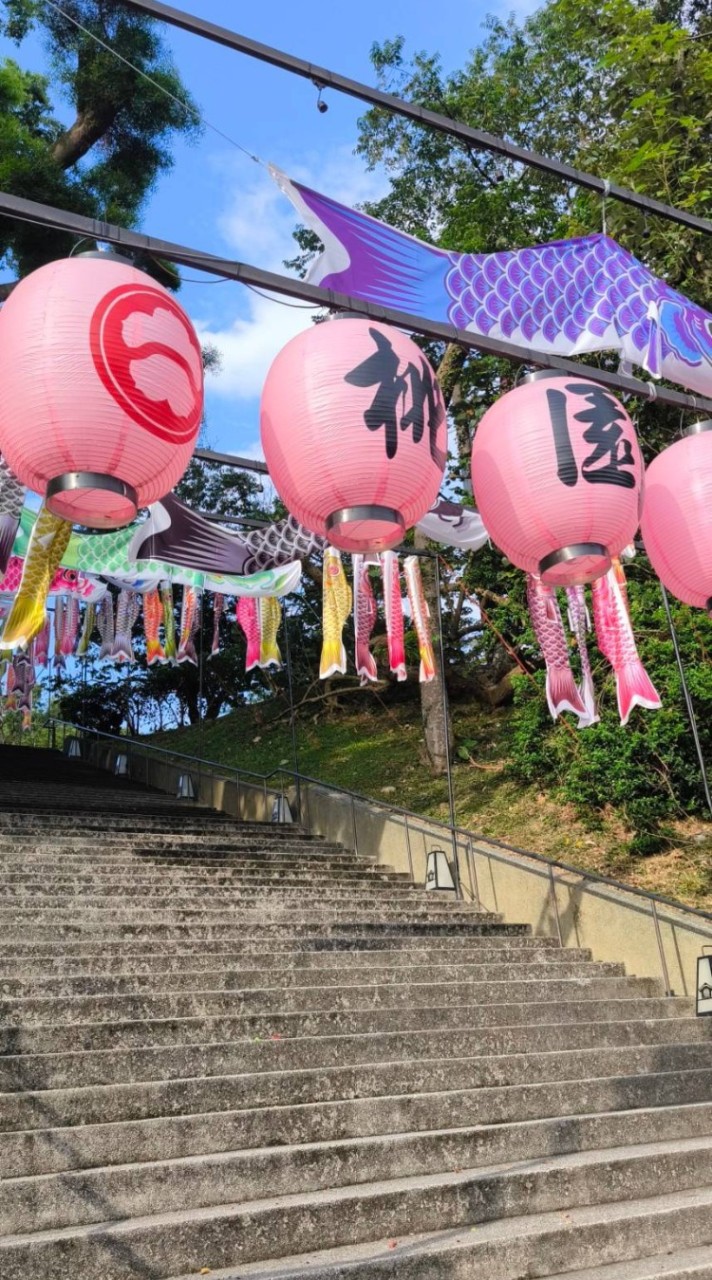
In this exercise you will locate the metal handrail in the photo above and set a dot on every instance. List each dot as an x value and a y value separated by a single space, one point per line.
408 814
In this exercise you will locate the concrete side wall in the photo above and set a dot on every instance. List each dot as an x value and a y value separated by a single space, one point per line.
613 924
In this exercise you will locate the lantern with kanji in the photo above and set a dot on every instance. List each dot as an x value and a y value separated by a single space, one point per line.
557 476
677 516
101 388
354 432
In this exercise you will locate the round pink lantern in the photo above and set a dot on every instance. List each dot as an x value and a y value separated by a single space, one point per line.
677 516
101 388
354 432
558 477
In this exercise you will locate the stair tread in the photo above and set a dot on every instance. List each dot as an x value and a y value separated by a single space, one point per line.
363 1191
382 1256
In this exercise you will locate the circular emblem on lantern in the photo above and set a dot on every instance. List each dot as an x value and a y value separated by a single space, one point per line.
154 317
101 388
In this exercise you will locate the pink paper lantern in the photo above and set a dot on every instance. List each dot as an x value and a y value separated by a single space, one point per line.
558 477
101 388
354 432
677 516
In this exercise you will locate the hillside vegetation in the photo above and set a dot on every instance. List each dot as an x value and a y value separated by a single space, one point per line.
377 751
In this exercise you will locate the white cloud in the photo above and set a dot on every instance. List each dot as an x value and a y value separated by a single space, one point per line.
256 226
250 343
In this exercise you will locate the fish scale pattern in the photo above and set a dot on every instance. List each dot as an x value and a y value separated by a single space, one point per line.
233 1049
572 288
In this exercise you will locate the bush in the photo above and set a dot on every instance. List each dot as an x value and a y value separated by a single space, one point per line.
648 770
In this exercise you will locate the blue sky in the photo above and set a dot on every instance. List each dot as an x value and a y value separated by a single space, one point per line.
218 200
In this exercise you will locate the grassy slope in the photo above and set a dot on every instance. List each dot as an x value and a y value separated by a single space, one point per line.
378 752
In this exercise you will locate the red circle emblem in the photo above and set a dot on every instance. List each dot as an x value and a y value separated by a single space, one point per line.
114 357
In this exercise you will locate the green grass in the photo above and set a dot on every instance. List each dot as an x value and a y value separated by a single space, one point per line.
377 750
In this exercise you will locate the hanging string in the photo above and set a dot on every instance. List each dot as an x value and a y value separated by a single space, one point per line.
606 193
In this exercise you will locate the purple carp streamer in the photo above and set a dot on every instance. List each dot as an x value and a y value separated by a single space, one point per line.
564 298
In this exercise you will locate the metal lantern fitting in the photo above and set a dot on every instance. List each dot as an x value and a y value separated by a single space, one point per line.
185 789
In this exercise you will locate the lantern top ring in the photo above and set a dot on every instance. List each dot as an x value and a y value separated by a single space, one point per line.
698 428
591 559
79 482
538 375
367 527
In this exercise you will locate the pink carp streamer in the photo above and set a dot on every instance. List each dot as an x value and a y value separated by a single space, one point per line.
248 618
393 604
189 620
42 643
365 613
617 643
420 615
105 624
580 624
561 691
127 611
218 610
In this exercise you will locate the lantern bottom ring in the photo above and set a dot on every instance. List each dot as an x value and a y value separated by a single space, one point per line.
92 498
365 528
573 565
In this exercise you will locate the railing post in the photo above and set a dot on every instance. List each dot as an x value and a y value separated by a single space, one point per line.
552 885
353 824
474 883
237 794
264 784
410 851
661 950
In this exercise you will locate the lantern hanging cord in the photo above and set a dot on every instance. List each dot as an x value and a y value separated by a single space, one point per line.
194 112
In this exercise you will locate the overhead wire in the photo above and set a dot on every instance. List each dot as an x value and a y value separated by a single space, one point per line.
191 110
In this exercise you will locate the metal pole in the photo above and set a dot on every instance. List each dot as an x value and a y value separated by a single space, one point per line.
410 852
688 700
448 757
353 824
292 715
663 962
201 620
552 884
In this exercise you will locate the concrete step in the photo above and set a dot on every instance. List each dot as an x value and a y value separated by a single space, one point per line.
32 1204
22 1072
36 1011
222 1025
227 977
319 949
235 928
286 1121
51 967
488 1088
192 1238
606 1240
91 880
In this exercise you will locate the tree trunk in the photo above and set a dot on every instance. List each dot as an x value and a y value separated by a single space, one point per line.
437 724
81 136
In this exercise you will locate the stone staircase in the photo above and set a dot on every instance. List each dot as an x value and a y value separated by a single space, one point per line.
231 1049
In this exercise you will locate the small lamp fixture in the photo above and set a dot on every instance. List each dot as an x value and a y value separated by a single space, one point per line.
121 765
281 811
185 789
73 749
438 873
